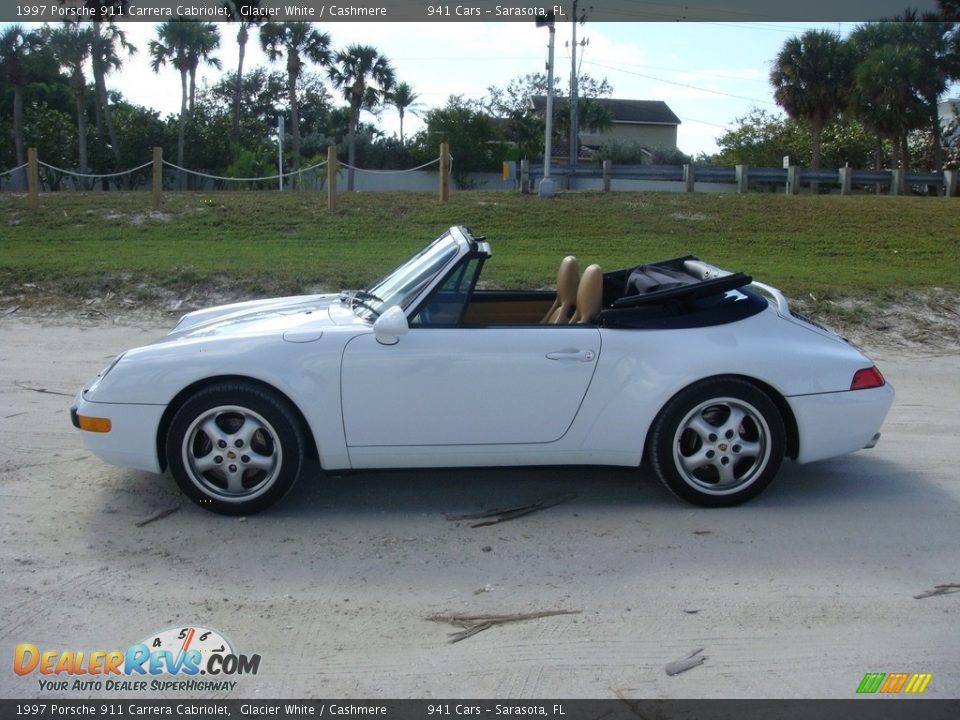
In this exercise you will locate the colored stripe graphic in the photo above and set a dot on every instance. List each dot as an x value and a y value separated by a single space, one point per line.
871 682
893 683
918 682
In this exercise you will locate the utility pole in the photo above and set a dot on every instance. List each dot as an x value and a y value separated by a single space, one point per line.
546 184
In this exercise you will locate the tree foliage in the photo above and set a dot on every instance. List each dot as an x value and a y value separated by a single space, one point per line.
470 132
365 77
810 78
299 43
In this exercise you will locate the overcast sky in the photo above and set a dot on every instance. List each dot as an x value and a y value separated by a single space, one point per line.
708 73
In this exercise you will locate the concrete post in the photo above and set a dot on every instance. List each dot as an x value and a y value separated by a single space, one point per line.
743 178
525 176
689 176
896 182
607 164
950 183
332 170
33 179
793 180
846 181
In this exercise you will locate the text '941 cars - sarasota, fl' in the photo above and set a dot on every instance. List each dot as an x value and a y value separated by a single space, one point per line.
703 373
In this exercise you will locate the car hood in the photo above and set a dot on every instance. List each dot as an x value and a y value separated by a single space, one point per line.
299 318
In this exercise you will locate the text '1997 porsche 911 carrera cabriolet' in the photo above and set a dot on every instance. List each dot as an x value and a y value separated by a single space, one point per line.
703 373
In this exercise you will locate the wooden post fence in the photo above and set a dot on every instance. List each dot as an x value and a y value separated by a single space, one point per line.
607 164
33 179
444 172
332 170
157 179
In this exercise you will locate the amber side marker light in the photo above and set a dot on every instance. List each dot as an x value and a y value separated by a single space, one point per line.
94 424
867 378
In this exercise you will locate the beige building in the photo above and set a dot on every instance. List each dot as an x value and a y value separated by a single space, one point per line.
650 123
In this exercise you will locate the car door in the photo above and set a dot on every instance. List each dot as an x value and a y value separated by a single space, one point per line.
466 385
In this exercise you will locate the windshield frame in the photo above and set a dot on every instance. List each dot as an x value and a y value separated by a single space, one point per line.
412 279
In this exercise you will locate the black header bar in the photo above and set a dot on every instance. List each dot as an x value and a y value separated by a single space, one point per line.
321 11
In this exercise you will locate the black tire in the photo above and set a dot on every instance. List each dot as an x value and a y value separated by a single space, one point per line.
235 448
718 442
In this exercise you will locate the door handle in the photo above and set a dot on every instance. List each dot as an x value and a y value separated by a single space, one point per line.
580 355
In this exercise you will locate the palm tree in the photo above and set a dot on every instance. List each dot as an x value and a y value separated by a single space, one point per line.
72 43
296 40
810 77
15 43
108 43
206 41
885 94
365 77
244 12
180 42
930 35
404 99
105 57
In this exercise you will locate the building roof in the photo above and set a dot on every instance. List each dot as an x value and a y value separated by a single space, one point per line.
645 112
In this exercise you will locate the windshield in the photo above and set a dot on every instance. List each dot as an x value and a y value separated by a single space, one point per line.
404 284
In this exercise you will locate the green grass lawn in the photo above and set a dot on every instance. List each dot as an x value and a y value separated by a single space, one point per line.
272 242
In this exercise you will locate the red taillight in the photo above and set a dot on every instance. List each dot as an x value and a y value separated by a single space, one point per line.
867 378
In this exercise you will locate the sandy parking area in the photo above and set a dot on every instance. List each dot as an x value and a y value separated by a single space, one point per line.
797 594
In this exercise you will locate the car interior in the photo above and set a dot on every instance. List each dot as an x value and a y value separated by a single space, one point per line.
634 297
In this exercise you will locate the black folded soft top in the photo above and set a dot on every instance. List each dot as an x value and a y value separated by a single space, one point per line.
677 293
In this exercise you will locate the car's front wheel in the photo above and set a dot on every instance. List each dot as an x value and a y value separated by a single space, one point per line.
718 443
235 448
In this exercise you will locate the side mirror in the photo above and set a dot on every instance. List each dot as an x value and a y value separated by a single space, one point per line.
390 326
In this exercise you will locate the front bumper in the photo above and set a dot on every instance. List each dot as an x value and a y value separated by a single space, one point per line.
132 440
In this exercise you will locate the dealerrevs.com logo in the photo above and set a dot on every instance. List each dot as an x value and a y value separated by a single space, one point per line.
187 659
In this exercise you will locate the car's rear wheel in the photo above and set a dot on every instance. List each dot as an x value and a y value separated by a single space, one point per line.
235 448
718 443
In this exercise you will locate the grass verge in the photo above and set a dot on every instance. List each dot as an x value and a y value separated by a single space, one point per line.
84 244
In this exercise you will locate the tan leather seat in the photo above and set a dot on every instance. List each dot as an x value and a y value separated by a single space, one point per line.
589 296
568 277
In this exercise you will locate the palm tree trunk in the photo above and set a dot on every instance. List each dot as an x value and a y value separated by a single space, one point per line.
193 89
294 121
18 131
242 42
400 110
182 127
100 83
352 141
351 152
816 137
878 159
78 92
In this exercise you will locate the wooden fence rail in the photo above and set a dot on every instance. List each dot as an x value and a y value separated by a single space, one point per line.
156 176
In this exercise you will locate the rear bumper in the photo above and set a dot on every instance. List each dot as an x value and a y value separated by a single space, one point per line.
132 440
831 424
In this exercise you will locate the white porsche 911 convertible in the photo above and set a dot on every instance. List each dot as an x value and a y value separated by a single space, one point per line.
708 376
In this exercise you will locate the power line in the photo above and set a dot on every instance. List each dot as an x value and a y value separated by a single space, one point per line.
681 84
